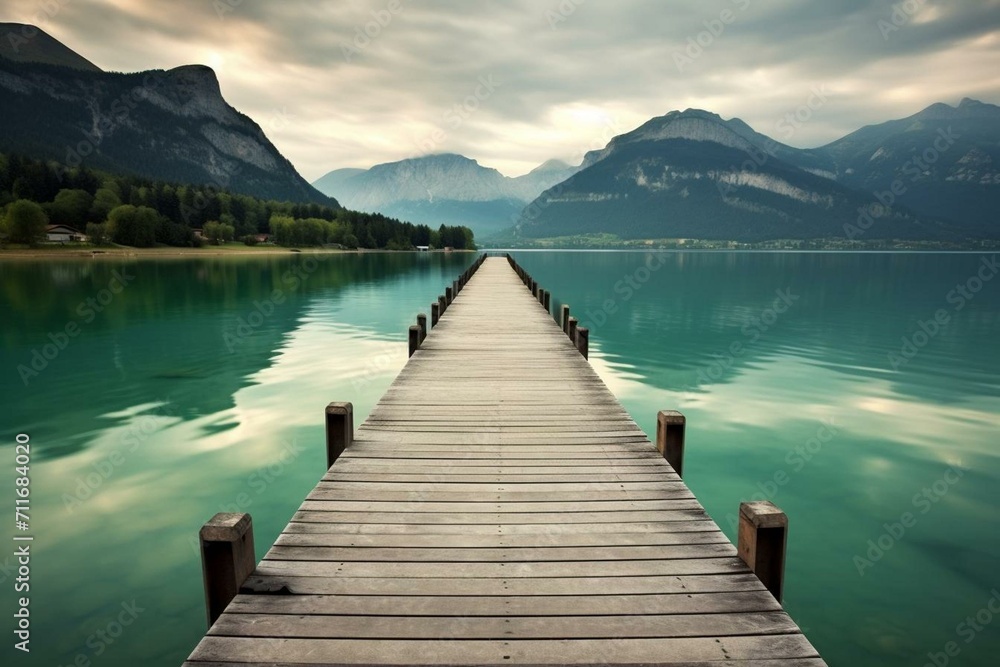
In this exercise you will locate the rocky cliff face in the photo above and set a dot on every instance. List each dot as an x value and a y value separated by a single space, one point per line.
169 125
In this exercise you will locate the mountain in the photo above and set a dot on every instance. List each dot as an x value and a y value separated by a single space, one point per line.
166 125
943 161
692 174
442 189
28 44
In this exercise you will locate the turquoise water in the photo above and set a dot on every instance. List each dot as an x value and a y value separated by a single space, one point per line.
190 387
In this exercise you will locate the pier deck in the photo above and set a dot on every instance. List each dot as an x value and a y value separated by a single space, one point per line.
500 507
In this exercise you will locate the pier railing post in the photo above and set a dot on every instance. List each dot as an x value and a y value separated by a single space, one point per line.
670 426
572 329
442 305
435 313
565 319
534 288
422 323
449 294
414 338
583 341
339 430
548 301
227 559
763 536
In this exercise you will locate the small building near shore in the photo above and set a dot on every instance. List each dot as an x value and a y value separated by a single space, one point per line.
423 248
63 234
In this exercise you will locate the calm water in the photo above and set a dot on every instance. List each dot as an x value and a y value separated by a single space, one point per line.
200 388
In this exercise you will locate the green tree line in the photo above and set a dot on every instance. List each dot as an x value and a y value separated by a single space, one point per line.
135 211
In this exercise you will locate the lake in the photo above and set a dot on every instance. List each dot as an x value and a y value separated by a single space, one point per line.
858 391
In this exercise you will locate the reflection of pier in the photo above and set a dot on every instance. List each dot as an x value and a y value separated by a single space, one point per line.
500 507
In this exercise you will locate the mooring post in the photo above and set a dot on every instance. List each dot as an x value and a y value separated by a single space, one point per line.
435 313
572 329
583 341
449 295
422 323
414 338
548 301
670 426
565 319
456 287
339 430
442 305
541 296
227 559
534 288
763 536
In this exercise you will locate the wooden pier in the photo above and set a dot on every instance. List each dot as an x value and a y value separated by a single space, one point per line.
500 507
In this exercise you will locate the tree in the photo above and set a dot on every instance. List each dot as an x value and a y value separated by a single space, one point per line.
133 225
105 201
71 207
25 222
98 233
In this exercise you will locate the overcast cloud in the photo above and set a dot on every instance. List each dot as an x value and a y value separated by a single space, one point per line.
554 79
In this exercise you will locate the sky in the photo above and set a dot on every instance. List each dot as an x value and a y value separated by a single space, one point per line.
513 83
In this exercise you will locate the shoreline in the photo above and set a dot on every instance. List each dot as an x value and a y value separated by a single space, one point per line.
168 252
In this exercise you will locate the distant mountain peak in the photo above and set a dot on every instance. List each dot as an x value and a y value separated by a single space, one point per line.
551 165
25 43
967 108
690 124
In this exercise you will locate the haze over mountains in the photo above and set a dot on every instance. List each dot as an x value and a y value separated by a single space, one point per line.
443 189
167 125
688 174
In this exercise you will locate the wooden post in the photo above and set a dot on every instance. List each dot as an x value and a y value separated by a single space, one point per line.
227 559
763 535
339 430
548 301
449 295
442 305
414 338
435 313
572 329
422 323
583 341
670 426
565 319
541 296
534 288
456 287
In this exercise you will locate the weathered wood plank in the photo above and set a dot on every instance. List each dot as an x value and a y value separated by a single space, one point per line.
731 601
506 652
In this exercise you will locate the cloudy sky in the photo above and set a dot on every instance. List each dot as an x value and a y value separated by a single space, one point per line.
512 83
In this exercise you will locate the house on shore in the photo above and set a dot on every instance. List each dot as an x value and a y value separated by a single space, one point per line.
63 234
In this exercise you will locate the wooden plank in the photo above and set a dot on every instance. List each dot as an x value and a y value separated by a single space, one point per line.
498 555
531 606
485 627
624 568
503 652
278 585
